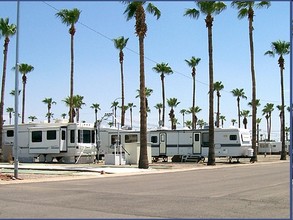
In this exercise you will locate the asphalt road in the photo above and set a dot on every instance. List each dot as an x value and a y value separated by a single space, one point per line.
251 191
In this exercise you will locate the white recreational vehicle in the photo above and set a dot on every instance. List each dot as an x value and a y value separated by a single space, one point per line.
272 147
43 142
230 143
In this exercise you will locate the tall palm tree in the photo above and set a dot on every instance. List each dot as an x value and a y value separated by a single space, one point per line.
281 48
163 69
193 62
24 69
218 86
136 9
131 106
49 102
222 118
246 9
7 31
70 18
193 112
172 103
239 93
209 8
183 112
159 106
10 110
244 114
267 112
96 107
120 43
114 106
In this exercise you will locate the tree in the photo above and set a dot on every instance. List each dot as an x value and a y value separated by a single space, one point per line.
287 131
201 123
172 103
233 121
7 31
183 112
70 18
77 104
131 106
188 124
258 121
246 9
193 112
114 107
244 114
96 107
281 48
32 118
148 93
63 115
222 118
10 110
159 106
136 9
209 8
267 112
24 69
49 102
163 69
239 93
218 86
193 62
120 43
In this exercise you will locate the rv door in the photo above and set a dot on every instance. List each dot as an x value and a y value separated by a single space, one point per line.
196 143
163 143
63 146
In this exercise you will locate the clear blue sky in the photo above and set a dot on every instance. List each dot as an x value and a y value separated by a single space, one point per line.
45 43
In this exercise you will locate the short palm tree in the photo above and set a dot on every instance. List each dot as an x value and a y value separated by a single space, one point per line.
287 130
193 62
193 112
258 121
114 106
163 69
32 118
70 18
120 43
209 8
49 102
244 114
172 103
131 106
222 118
10 110
7 31
218 86
78 103
159 106
201 123
267 112
96 107
183 112
281 48
63 115
239 93
24 69
148 93
233 121
188 124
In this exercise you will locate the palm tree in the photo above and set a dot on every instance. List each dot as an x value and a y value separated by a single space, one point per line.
13 92
267 112
24 69
172 103
131 106
244 114
201 123
32 118
163 69
159 106
222 118
258 121
77 104
183 112
239 93
63 115
114 106
96 107
233 121
188 124
10 110
246 9
281 109
218 86
281 48
49 102
193 62
209 8
6 30
287 130
120 43
70 18
148 93
193 112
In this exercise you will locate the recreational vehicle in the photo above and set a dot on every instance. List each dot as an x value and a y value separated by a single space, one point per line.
272 147
43 142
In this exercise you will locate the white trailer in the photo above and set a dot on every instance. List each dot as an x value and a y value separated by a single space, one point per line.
43 142
272 147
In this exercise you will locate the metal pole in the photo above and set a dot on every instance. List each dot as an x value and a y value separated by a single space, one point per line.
15 147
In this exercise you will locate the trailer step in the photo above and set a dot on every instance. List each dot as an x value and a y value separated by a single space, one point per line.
192 158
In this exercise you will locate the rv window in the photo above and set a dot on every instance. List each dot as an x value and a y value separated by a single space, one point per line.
162 137
205 140
131 138
37 136
63 135
10 133
196 137
51 135
86 136
93 137
233 137
154 139
114 139
72 136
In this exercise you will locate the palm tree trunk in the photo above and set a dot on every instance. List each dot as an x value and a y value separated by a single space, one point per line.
23 98
163 97
122 93
238 106
218 110
283 153
71 80
193 102
211 154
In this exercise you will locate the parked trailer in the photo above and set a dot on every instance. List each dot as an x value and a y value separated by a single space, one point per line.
183 144
272 147
43 142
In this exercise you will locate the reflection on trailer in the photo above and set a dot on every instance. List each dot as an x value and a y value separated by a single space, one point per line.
65 142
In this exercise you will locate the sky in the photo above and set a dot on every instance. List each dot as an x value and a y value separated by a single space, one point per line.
44 42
